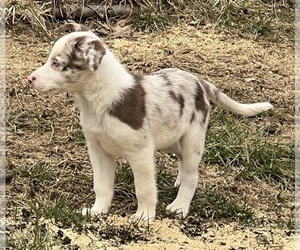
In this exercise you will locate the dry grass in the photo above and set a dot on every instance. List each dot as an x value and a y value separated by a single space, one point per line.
272 20
47 162
49 174
26 11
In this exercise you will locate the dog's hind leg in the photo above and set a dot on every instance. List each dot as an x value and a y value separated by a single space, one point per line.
192 147
143 167
176 149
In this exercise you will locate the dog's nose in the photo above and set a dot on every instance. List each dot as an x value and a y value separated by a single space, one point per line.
31 79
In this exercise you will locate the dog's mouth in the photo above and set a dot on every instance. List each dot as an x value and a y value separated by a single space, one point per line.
51 91
48 91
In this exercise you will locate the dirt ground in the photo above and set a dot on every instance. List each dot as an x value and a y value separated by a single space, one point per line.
41 128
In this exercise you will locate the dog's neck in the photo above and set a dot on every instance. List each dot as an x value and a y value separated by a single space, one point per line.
105 87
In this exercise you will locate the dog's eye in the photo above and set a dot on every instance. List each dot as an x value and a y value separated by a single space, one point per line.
55 64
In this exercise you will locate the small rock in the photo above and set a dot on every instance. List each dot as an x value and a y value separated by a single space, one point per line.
25 213
60 233
66 241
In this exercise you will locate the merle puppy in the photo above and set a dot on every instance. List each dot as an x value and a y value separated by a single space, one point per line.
131 116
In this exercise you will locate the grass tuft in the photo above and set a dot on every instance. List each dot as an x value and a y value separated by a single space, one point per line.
42 225
233 143
213 205
78 136
64 216
146 20
29 230
120 233
259 18
29 12
251 17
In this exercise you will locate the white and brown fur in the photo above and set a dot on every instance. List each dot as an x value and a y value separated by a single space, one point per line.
131 116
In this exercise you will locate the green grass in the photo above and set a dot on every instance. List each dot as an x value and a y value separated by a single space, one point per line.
32 225
231 144
31 228
78 136
213 205
39 172
247 16
259 18
29 231
247 148
16 123
37 176
235 144
146 20
206 204
269 19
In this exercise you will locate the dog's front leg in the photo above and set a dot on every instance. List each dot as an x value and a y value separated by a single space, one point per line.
103 174
143 167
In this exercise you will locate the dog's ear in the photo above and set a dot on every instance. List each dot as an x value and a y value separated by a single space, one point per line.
92 50
71 26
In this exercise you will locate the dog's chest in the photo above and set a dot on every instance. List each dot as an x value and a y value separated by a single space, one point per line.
102 132
109 144
103 139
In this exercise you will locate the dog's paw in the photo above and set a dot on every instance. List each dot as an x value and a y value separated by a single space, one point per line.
86 211
144 216
93 211
180 210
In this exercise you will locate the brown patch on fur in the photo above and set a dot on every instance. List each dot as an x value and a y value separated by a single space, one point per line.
200 103
164 76
79 42
93 59
98 46
204 85
167 80
131 109
74 62
179 99
214 93
79 63
181 103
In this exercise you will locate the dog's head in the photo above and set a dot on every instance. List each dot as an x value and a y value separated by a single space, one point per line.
74 58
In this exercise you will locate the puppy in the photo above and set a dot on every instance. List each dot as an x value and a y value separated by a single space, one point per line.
131 116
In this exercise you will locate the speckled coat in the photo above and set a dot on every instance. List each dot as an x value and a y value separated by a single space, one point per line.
132 116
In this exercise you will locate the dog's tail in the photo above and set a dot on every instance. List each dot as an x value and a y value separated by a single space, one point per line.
221 100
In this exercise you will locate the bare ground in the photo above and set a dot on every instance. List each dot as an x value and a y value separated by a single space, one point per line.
45 129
